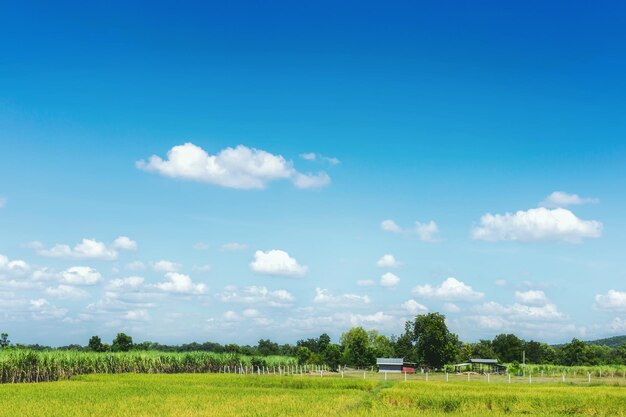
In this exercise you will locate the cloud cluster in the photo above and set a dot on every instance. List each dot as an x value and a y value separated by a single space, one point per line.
560 199
538 224
176 283
613 300
86 249
426 232
257 295
240 167
277 262
450 289
387 261
323 296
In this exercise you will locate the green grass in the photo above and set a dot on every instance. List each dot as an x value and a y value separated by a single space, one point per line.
17 365
247 395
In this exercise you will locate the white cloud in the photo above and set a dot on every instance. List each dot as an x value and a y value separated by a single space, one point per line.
560 199
202 268
532 297
33 245
389 280
450 290
323 296
136 315
390 226
166 266
521 312
618 325
17 266
200 246
234 246
257 295
365 283
67 292
310 156
180 284
240 167
413 307
277 262
231 316
126 283
427 232
613 300
451 308
538 224
251 313
41 309
136 266
86 249
124 243
80 275
387 261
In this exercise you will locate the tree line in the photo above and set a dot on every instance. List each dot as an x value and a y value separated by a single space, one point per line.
426 341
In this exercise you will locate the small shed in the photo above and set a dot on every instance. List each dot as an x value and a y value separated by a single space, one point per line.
481 366
394 365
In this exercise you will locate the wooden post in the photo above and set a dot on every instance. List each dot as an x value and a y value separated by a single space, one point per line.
385 375
446 376
488 380
509 378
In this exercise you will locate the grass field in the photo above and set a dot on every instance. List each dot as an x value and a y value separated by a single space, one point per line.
250 395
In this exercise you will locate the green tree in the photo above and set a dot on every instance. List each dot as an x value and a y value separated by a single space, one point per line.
575 353
332 356
266 347
95 344
508 347
403 347
322 342
356 349
436 346
483 350
303 354
122 343
4 340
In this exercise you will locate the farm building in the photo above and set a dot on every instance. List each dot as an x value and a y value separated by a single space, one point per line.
481 366
394 365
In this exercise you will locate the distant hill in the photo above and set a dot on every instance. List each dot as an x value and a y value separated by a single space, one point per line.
615 341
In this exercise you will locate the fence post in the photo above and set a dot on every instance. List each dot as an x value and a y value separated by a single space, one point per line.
530 378
563 377
446 376
589 377
385 375
426 375
468 377
488 380
405 375
363 374
509 378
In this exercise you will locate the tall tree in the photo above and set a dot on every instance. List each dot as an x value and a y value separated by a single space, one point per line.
436 346
356 347
122 343
508 347
4 340
95 344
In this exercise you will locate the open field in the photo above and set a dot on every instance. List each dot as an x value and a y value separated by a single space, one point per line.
251 395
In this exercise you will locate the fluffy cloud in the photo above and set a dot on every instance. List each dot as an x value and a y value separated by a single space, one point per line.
390 226
15 266
532 297
80 275
539 224
450 290
413 307
366 283
387 261
323 296
234 246
613 300
618 325
520 312
166 266
257 295
561 199
67 292
180 284
277 262
86 249
126 283
389 280
427 232
136 315
136 266
124 243
41 309
240 167
451 308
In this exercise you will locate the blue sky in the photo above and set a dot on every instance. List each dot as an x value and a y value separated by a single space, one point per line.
306 142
